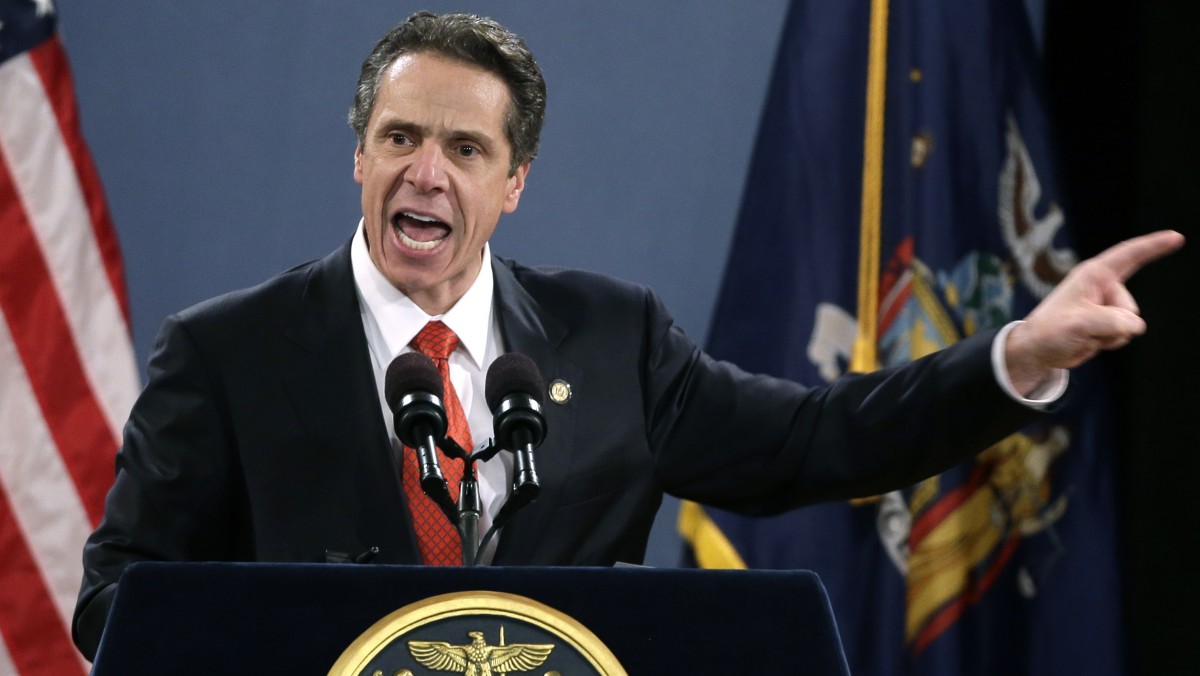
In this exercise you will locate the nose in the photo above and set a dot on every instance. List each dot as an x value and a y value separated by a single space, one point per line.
427 173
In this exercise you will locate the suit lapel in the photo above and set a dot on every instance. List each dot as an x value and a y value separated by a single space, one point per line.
528 328
332 386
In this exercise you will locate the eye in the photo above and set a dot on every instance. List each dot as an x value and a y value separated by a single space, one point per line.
399 139
468 150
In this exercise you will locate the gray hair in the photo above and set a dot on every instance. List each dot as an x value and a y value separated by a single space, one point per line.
474 40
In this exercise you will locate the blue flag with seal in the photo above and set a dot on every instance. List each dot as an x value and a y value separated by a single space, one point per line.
902 197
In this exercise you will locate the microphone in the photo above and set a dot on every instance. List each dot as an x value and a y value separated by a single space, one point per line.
513 391
413 390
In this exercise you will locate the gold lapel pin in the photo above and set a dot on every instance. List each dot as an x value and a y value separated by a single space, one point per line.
560 391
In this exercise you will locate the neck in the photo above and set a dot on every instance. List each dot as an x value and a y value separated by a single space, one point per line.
438 300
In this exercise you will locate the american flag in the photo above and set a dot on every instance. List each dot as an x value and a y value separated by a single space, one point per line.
67 372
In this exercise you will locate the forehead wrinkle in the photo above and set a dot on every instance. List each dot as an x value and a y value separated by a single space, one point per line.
445 119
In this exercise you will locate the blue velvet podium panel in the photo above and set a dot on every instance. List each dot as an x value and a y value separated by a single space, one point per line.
295 619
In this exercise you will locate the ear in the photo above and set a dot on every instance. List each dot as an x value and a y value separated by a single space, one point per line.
516 184
358 171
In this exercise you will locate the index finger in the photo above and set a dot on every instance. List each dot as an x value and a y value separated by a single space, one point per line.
1126 258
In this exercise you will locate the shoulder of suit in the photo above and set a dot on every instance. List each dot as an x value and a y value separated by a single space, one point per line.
573 282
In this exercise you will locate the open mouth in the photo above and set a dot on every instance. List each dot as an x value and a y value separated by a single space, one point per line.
422 233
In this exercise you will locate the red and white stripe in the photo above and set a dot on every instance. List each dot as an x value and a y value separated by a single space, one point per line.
67 371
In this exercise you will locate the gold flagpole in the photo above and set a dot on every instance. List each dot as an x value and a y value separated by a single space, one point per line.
865 358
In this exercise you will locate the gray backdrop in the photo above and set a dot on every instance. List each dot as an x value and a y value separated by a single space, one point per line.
219 132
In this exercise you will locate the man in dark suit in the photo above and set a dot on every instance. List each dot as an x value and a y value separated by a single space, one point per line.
262 434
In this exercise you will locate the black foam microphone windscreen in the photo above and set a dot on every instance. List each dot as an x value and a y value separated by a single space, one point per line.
411 371
512 373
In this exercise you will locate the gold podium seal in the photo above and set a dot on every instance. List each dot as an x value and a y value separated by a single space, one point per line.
478 633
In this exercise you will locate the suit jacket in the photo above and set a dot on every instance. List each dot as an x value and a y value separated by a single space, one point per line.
259 435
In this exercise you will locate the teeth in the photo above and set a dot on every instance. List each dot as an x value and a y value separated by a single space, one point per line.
417 217
414 244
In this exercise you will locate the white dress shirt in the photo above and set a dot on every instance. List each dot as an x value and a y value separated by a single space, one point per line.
1048 392
391 321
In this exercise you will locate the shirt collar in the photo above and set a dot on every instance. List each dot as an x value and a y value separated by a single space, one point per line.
400 319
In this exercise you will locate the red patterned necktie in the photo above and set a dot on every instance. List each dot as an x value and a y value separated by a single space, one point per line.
438 539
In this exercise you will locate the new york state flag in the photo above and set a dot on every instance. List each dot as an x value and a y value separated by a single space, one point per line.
902 197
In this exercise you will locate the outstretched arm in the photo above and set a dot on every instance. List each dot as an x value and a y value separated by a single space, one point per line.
1089 311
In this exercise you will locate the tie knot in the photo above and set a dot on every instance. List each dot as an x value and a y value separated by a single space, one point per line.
435 341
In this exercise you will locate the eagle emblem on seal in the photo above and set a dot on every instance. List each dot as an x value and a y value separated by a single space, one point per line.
477 658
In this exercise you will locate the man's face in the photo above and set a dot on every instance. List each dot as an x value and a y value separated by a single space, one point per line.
434 171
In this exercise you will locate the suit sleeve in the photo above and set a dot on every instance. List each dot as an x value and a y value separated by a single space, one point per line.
173 497
761 445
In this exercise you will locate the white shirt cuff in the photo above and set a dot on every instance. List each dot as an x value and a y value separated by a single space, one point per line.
1047 392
